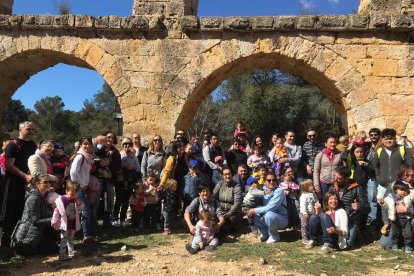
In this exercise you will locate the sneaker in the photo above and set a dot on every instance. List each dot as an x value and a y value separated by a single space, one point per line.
310 244
326 249
72 253
394 248
115 223
167 232
408 249
263 238
271 240
190 250
64 257
210 248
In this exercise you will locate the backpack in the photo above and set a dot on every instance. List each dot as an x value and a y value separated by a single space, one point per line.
293 214
66 174
401 149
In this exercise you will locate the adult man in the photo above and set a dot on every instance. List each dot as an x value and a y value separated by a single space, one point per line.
387 160
273 216
372 185
309 151
235 156
17 176
353 199
211 153
294 152
140 149
241 176
405 142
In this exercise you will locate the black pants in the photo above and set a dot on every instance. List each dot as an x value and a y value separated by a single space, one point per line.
136 219
122 194
401 228
152 213
13 205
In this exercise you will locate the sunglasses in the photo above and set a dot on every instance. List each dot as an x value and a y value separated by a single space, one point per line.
270 180
310 136
157 140
373 134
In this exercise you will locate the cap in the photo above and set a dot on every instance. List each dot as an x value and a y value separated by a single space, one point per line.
126 141
59 146
404 135
193 164
252 180
399 184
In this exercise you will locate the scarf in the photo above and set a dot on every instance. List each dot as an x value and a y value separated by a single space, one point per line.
46 158
330 154
88 157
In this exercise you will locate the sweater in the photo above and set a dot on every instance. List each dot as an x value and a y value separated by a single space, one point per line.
307 203
324 169
80 171
37 166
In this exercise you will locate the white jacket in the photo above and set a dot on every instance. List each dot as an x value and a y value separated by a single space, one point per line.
341 223
389 205
37 166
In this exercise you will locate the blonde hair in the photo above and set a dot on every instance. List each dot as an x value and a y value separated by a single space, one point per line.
305 185
72 186
151 143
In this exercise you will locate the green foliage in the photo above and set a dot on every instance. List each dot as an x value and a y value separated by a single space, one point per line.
14 113
267 102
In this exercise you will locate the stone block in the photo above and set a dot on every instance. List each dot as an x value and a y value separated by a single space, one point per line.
338 69
45 21
237 23
174 9
349 82
190 23
15 20
102 22
306 22
367 111
358 22
385 67
114 22
211 23
406 68
84 21
64 21
285 23
4 20
262 23
379 22
135 23
402 22
29 21
148 8
337 22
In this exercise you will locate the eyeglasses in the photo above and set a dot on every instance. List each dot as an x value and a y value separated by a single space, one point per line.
271 180
46 182
373 134
157 140
310 136
109 137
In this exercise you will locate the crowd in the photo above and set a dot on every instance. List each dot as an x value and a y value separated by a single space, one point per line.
330 191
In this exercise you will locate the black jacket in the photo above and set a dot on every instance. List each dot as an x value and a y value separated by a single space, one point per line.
351 192
36 216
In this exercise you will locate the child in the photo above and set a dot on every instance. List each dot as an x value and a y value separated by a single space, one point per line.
398 210
257 158
100 141
216 178
204 234
291 188
192 180
137 202
260 172
152 209
66 219
59 162
278 152
240 131
307 200
252 199
169 206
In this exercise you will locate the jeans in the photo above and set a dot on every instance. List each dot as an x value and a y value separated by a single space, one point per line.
108 192
67 242
168 218
325 188
331 239
123 192
270 223
86 213
315 229
151 214
353 230
372 199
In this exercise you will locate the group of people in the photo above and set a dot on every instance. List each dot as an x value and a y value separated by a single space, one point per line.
327 190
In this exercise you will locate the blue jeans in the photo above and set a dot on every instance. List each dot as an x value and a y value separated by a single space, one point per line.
315 229
353 230
270 223
372 186
325 188
331 239
86 212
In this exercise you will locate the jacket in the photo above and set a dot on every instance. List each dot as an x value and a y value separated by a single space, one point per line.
37 166
229 197
80 171
352 192
324 169
60 219
191 184
152 162
389 207
36 216
386 167
275 202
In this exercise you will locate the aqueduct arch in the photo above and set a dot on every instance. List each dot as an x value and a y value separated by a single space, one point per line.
163 60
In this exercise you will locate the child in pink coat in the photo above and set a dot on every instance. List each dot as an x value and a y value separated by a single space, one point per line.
66 219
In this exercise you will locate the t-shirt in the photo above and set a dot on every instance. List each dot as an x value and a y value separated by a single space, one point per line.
70 212
21 150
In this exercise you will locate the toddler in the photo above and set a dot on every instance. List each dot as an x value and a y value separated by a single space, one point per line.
137 202
307 200
398 211
66 219
204 234
278 152
253 196
169 206
257 158
152 211
291 188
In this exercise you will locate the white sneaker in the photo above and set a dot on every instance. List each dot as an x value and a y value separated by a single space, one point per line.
271 240
326 249
309 244
263 238
115 223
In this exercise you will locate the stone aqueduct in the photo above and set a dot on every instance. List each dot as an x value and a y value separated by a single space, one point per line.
162 61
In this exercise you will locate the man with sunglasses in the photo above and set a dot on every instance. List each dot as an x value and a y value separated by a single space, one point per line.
372 185
273 216
17 176
309 151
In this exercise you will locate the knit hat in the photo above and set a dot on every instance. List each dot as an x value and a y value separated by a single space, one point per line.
399 184
59 146
193 164
100 153
251 180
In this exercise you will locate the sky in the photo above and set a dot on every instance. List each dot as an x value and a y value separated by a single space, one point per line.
74 84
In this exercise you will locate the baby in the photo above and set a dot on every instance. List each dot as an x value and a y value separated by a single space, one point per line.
204 234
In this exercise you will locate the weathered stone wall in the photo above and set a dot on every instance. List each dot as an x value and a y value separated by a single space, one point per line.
386 7
162 67
165 7
6 6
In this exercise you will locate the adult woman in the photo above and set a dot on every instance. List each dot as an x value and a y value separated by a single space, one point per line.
258 140
115 166
325 165
333 223
273 140
235 156
229 197
39 163
33 233
80 172
153 159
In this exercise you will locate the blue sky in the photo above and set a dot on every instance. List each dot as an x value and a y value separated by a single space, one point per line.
74 84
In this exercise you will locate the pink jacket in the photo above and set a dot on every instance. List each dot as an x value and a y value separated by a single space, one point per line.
59 218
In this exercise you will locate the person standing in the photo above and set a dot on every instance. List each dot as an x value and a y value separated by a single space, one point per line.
139 148
374 217
294 153
309 151
210 152
17 154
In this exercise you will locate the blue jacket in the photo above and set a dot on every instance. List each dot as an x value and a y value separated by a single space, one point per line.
191 185
275 202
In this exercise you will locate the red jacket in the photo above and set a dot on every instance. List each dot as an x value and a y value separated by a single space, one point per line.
135 202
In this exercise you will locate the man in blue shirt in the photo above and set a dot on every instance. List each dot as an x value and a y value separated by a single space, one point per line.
273 215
